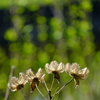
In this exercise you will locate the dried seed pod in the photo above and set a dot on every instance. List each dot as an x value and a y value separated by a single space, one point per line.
16 84
55 68
74 71
35 79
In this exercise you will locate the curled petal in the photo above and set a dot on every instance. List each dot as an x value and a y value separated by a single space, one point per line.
75 65
48 69
30 75
40 73
54 65
22 78
14 81
67 67
12 87
60 68
83 73
42 78
74 68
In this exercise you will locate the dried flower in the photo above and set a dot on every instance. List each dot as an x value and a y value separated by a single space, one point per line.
76 73
55 68
35 79
16 84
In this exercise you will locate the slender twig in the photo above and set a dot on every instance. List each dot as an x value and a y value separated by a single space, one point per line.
52 83
55 92
11 74
24 94
46 86
62 87
57 97
56 89
40 92
48 91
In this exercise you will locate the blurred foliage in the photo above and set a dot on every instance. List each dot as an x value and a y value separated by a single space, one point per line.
39 31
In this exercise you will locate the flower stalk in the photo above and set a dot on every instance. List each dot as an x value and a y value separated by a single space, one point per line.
24 94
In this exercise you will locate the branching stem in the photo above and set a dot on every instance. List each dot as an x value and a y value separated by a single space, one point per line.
62 87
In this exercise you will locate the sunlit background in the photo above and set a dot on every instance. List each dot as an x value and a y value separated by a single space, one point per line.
36 32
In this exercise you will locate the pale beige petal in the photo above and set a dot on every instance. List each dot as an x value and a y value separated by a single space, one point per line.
67 68
53 65
60 68
83 73
22 78
75 65
74 71
30 75
30 79
47 68
14 81
74 68
12 87
42 78
40 73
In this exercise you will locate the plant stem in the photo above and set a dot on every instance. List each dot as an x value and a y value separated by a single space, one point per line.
62 87
40 92
11 74
48 91
24 94
46 86
52 83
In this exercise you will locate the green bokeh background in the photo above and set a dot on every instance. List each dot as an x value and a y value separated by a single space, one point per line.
33 39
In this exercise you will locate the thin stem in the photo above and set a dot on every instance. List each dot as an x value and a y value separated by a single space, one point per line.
52 83
40 92
57 97
56 89
24 94
49 92
62 87
46 86
11 74
55 92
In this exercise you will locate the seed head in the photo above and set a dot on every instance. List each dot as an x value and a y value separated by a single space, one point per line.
16 84
55 68
77 73
35 79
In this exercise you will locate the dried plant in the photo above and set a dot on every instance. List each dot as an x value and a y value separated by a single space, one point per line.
54 68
